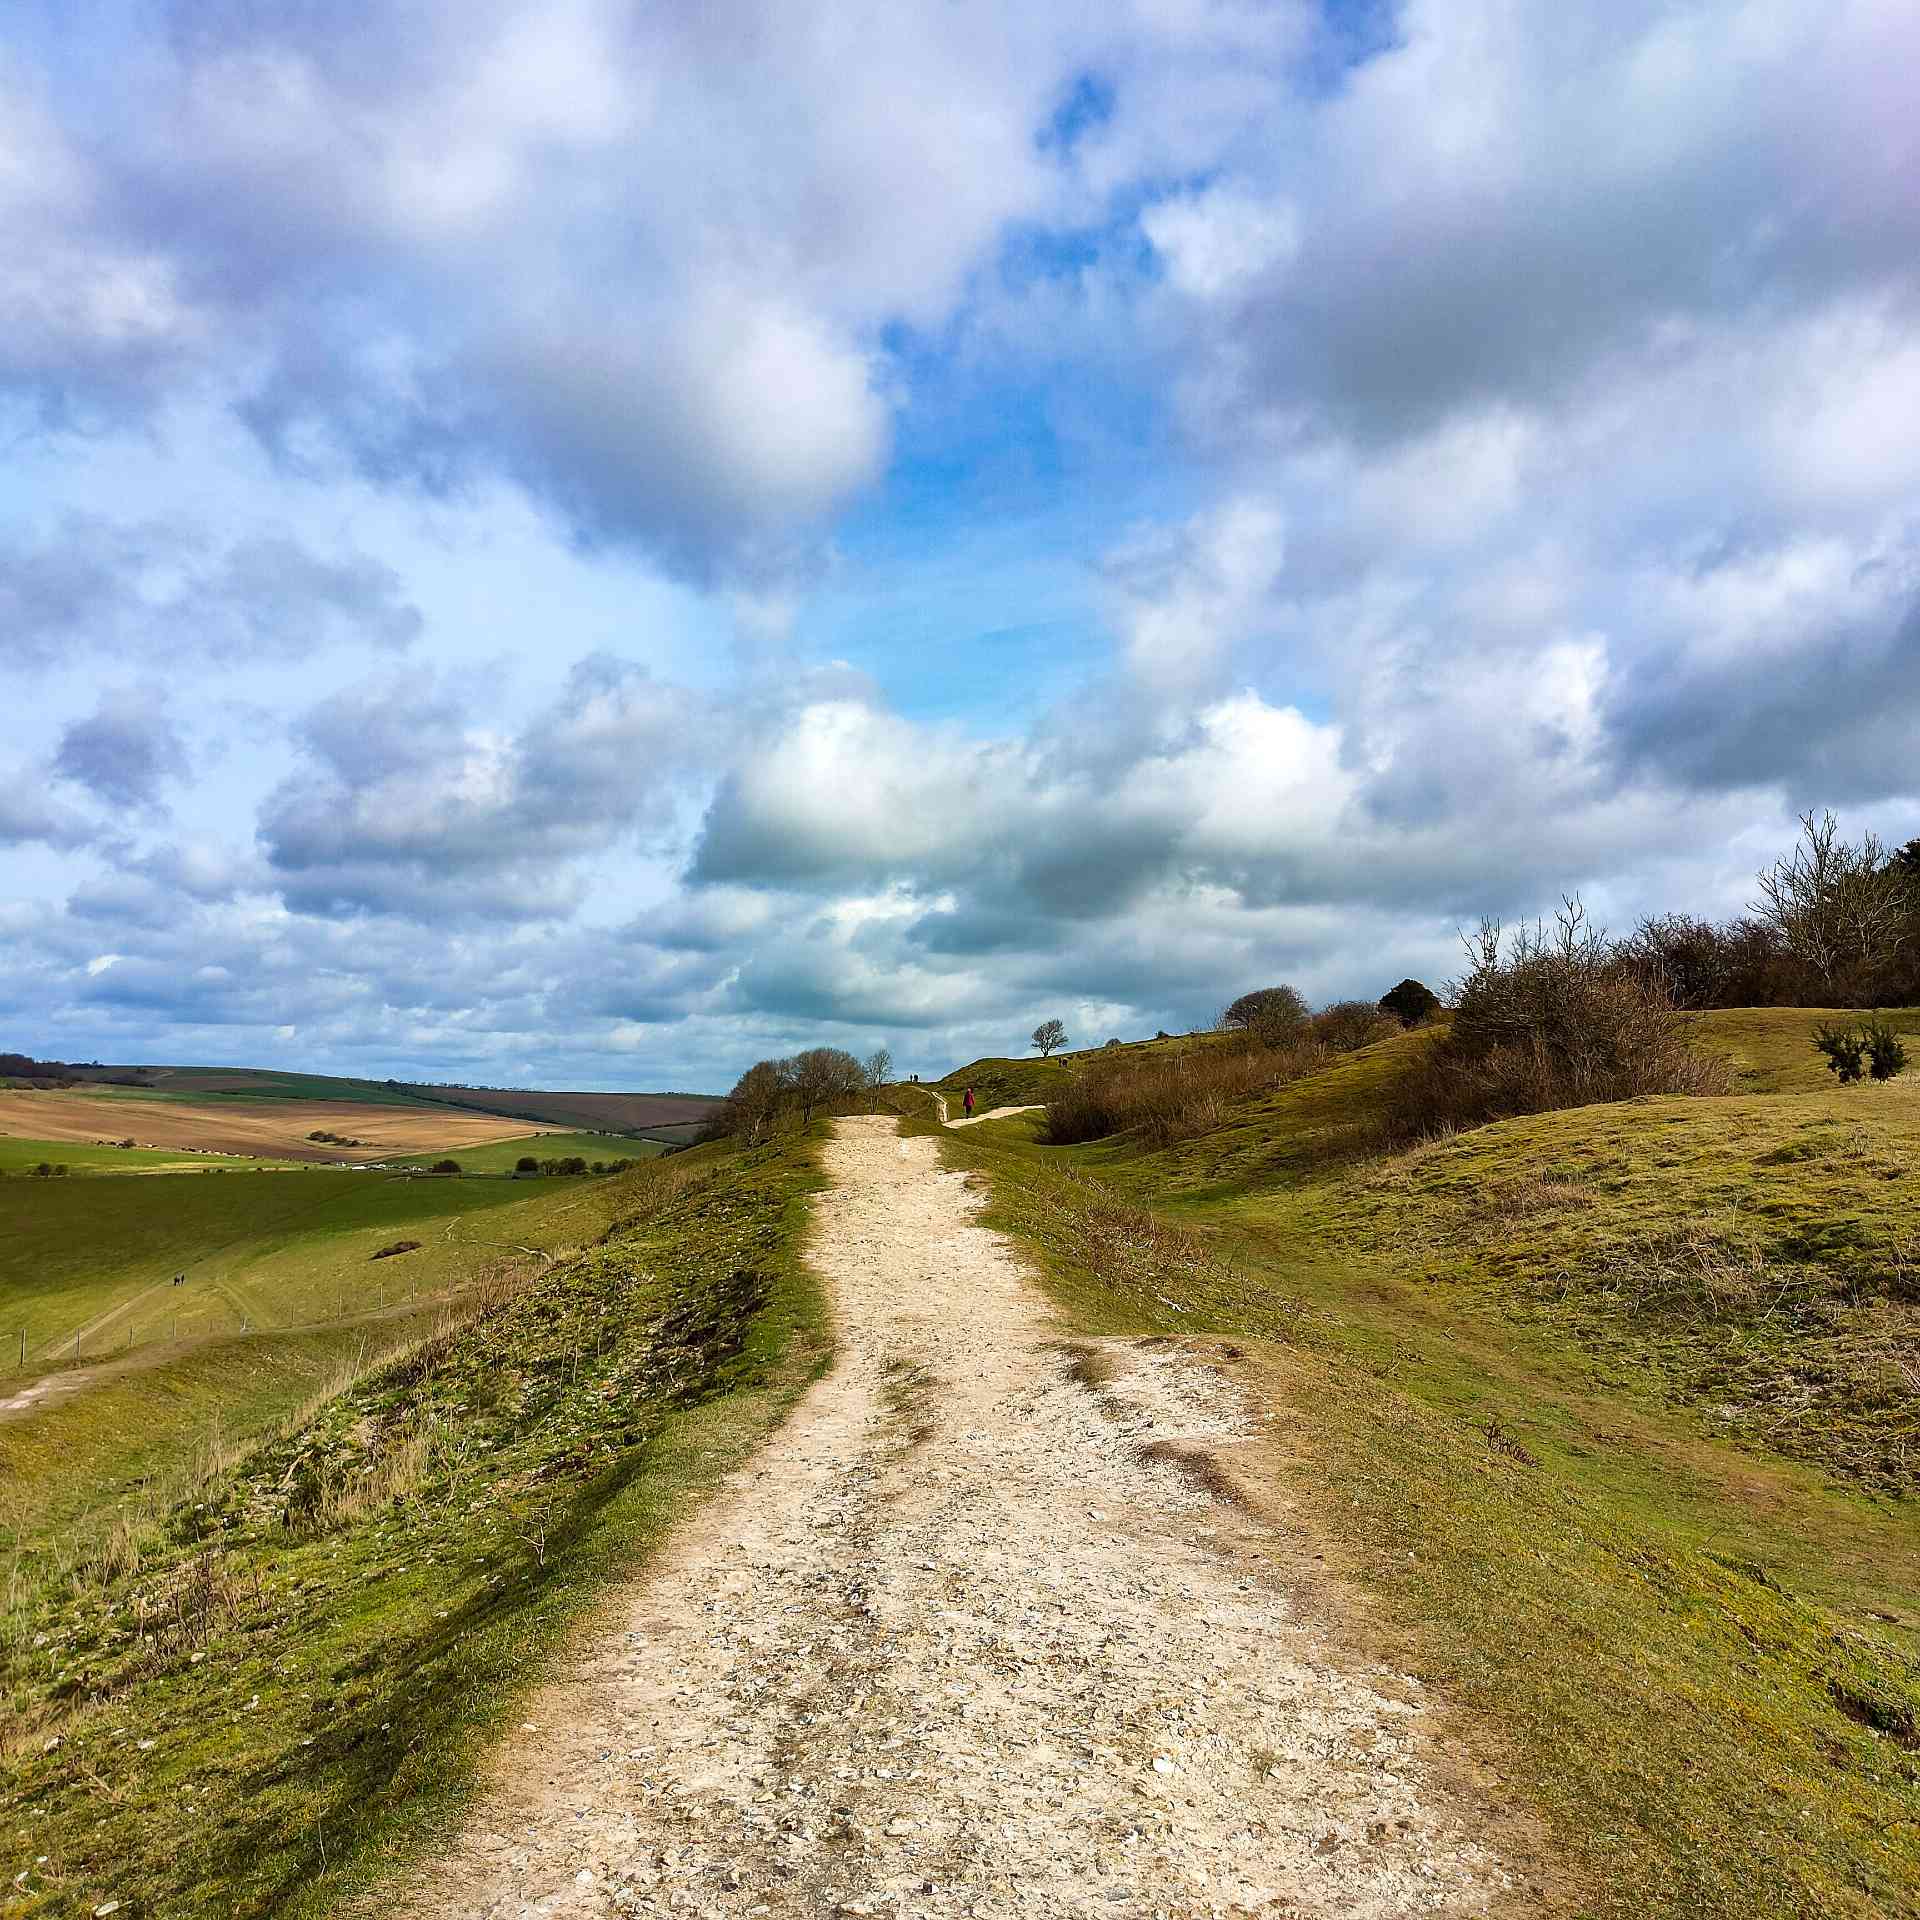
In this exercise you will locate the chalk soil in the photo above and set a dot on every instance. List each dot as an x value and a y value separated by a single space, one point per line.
956 1646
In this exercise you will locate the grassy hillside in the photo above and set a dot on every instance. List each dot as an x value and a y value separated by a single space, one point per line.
1771 1049
258 1083
1018 1083
250 1699
1608 1417
260 1250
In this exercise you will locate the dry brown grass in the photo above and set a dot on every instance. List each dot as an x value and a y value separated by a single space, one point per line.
1176 1096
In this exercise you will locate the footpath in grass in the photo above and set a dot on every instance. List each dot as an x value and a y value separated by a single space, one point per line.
1697 1660
283 1685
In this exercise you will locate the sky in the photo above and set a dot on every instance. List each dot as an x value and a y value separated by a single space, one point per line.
588 543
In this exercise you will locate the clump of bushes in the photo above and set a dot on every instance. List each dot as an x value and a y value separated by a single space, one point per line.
445 1166
1549 1019
1853 1052
1412 1003
772 1093
399 1246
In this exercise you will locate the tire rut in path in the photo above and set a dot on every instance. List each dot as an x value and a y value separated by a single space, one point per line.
953 1646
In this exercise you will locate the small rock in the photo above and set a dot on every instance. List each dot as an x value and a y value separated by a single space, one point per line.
1161 1764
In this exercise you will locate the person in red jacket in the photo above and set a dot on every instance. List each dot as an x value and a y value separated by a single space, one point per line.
969 1103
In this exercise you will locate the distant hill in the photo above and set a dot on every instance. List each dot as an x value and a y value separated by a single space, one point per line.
672 1117
660 1116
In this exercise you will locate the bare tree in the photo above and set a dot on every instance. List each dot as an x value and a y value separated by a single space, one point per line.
1270 1014
878 1068
824 1074
1050 1035
1842 911
752 1108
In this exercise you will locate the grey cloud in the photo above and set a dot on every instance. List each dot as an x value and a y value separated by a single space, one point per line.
95 585
1835 719
1491 211
29 813
404 806
126 751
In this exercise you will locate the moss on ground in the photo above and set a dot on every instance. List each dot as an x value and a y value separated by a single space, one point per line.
277 1689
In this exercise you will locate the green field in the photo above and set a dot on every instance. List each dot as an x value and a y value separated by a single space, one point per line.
257 1083
79 1157
258 1250
1610 1417
501 1156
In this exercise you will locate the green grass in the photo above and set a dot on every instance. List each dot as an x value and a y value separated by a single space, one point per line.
501 1156
369 1593
259 1250
1684 1625
1772 1047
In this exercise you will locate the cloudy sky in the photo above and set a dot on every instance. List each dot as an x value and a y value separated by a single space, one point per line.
588 542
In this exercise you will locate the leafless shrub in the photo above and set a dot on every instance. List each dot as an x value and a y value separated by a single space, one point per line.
1551 1019
1843 911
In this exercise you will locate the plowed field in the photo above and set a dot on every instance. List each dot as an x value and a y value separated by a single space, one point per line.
265 1127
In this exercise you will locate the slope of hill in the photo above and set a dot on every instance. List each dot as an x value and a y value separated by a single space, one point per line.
1015 1082
87 1266
250 1083
239 1692
1615 1412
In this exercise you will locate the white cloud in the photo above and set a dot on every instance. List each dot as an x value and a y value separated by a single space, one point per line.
1185 597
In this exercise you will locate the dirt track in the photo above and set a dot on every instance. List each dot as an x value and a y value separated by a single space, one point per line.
957 1646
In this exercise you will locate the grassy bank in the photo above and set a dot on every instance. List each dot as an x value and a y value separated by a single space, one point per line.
1688 1632
262 1696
